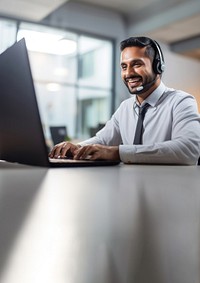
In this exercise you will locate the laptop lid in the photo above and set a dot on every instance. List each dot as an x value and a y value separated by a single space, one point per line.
21 134
21 139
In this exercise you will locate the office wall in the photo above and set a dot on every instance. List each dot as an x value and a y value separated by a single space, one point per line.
181 72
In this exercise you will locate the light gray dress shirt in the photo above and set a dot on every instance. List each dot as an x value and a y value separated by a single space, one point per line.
171 129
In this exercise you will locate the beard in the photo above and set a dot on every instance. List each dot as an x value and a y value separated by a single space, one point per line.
144 84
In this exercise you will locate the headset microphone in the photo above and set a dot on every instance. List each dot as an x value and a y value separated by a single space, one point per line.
139 88
143 88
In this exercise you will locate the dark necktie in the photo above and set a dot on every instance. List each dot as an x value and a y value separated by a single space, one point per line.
139 128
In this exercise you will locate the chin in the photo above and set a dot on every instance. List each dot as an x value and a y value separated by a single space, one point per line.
132 90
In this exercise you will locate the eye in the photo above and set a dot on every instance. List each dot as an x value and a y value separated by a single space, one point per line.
123 67
137 65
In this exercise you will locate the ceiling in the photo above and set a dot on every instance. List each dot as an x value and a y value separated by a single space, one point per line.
175 22
32 10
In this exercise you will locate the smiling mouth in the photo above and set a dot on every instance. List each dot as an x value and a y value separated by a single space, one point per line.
133 82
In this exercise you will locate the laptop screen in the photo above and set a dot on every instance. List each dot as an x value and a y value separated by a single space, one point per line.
21 139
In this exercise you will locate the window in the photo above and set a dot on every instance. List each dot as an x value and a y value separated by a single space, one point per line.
73 88
86 65
8 30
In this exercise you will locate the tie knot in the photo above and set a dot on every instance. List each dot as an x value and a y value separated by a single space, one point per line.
143 109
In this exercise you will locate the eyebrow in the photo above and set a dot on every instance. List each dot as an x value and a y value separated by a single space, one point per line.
133 61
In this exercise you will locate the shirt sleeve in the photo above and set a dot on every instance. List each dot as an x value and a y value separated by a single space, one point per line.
184 146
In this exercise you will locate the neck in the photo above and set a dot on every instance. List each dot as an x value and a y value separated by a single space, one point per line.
143 96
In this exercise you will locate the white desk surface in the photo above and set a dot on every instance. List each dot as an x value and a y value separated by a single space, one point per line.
121 224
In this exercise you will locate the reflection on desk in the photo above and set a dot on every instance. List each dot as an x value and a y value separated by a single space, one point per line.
121 224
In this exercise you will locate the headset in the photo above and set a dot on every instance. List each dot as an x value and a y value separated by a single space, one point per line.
158 62
158 66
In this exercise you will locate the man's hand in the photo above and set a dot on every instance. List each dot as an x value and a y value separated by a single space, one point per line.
97 151
63 150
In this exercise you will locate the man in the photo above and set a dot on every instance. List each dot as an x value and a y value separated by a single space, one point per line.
171 123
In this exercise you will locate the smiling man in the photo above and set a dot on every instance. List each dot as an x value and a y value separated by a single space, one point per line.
156 125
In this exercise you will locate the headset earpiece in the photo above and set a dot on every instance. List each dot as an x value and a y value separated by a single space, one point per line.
158 62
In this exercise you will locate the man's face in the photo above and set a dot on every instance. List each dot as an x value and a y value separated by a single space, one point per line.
136 68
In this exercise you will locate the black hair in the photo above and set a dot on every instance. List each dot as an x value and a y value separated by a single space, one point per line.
140 41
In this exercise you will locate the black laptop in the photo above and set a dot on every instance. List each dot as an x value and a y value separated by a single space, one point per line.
21 134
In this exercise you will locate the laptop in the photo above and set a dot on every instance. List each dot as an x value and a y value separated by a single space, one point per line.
21 134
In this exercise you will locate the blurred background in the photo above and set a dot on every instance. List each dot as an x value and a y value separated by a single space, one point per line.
74 53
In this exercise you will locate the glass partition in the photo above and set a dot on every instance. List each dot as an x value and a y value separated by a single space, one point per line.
8 31
72 75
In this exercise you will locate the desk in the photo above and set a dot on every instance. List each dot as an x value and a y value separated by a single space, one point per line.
121 224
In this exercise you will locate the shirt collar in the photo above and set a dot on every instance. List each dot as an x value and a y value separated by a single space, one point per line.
153 98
